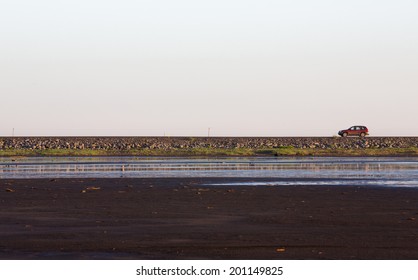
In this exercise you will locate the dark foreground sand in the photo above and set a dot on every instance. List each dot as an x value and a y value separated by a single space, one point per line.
183 219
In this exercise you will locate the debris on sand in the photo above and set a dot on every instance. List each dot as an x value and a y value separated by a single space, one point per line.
10 190
92 188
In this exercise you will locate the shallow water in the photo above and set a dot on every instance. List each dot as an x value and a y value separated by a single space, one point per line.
397 172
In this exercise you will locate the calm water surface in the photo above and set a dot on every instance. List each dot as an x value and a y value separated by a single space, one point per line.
394 172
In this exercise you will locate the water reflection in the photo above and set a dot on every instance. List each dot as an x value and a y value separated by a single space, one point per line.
399 171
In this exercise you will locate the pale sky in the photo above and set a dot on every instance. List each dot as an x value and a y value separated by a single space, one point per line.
242 68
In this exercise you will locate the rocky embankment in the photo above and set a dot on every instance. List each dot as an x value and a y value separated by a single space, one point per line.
167 143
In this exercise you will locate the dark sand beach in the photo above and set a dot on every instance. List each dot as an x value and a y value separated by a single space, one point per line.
182 218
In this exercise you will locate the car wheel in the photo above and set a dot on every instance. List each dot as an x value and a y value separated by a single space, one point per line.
362 134
345 134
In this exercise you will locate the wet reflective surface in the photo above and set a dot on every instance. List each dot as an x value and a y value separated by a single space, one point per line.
401 172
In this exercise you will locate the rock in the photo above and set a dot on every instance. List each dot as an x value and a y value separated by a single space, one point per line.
166 143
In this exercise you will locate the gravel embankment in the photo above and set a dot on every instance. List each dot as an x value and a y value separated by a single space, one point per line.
166 143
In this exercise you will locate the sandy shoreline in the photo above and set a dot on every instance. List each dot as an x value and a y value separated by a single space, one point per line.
181 218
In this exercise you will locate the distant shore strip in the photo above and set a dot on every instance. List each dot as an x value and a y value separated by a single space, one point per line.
213 152
208 146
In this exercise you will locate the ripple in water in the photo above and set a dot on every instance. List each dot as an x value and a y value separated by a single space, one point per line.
396 172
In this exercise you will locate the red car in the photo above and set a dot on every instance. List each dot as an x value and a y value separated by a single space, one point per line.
357 130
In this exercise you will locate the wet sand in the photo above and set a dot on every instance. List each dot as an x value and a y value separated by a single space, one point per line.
181 218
